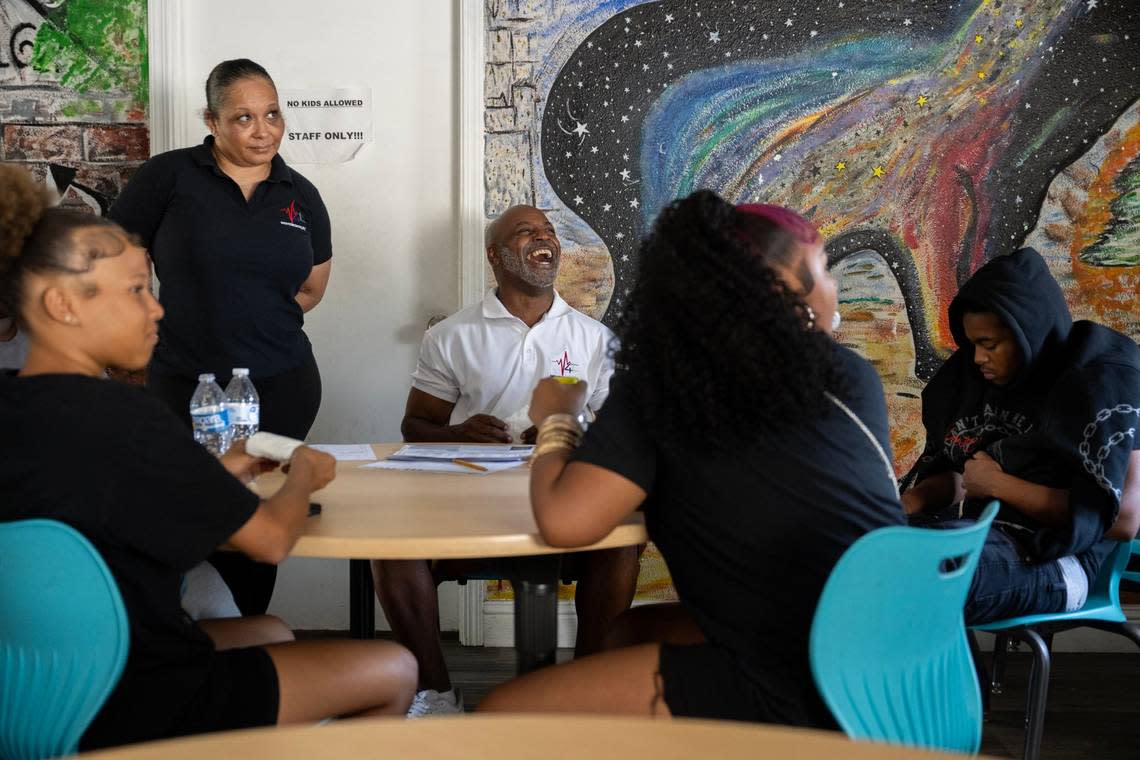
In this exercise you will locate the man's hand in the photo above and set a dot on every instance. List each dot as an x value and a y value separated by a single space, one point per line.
482 428
552 396
982 477
245 467
529 436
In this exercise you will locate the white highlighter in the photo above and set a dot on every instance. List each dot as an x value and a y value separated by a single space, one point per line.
271 446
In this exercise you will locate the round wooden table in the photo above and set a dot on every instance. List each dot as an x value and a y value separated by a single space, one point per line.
371 514
512 737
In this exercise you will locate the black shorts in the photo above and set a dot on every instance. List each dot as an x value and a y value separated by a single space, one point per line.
704 681
240 691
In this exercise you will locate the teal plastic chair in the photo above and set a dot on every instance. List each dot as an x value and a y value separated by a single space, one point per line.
1101 610
64 638
1133 575
888 646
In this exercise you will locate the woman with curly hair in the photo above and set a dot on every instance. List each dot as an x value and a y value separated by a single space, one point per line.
757 448
151 500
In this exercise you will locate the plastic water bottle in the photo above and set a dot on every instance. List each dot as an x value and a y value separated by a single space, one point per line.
211 420
242 404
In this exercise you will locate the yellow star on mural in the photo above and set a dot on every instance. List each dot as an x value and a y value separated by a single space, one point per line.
840 166
921 100
1019 23
978 38
981 75
877 171
981 100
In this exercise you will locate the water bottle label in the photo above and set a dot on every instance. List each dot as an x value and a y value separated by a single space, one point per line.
244 414
213 420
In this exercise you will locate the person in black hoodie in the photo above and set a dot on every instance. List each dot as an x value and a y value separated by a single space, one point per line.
1041 414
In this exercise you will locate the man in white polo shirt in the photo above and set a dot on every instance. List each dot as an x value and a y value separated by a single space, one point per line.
473 383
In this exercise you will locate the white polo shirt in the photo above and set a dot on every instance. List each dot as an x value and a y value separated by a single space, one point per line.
488 361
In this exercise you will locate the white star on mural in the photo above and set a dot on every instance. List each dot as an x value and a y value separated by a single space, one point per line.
714 36
577 200
668 18
634 204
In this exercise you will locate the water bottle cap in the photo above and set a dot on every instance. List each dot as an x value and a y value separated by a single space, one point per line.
206 377
240 372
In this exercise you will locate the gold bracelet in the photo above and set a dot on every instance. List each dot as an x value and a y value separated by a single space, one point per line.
558 432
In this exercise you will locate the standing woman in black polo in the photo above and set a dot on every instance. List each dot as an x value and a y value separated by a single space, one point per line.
242 248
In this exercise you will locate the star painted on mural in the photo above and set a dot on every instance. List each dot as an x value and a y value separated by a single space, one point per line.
1019 23
606 207
620 235
634 204
624 174
812 33
668 18
1091 4
906 22
714 37
978 38
578 200
981 75
625 257
594 149
1017 200
877 171
840 166
645 67
581 130
569 154
922 100
637 43
1076 81
787 22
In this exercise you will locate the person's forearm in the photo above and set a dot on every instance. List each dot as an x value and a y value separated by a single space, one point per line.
935 492
287 509
419 430
557 525
1049 506
307 301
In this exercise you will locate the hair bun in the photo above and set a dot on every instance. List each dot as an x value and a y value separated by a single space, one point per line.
22 205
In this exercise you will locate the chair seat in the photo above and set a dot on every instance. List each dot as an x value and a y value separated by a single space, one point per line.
1101 610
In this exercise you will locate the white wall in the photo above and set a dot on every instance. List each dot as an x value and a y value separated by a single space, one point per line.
395 243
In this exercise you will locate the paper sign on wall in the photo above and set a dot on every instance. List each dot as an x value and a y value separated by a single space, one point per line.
326 125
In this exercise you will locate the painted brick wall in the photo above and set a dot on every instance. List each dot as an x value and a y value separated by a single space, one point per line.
73 94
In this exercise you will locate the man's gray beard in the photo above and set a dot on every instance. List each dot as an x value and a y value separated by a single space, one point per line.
515 264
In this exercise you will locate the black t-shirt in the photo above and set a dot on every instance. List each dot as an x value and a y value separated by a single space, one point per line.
116 465
229 270
750 537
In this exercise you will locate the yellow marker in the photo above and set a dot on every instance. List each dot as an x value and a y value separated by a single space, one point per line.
565 379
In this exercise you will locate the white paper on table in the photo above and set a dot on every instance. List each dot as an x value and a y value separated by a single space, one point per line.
420 465
347 452
472 453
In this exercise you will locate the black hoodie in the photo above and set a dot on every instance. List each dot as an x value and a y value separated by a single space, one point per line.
1068 420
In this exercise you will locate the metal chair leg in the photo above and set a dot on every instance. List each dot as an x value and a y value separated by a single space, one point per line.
997 670
1038 692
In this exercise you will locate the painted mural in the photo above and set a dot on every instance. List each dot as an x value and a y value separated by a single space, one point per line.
73 96
922 139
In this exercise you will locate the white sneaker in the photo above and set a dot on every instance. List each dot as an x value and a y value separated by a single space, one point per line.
431 702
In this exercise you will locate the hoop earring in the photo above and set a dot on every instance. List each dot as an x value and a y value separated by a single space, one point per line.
810 317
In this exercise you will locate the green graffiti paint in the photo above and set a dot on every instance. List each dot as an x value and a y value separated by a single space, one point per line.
96 46
1119 246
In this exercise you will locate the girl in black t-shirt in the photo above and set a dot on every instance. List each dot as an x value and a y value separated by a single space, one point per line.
757 448
152 501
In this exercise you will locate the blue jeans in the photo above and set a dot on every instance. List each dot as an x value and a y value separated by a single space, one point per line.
1006 584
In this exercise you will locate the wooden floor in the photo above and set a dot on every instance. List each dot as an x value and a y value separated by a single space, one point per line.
1093 708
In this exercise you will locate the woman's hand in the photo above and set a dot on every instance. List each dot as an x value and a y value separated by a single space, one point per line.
982 477
553 396
245 467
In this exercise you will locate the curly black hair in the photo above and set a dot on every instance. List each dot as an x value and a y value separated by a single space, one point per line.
717 346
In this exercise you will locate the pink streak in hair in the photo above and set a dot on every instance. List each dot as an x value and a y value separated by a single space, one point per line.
786 219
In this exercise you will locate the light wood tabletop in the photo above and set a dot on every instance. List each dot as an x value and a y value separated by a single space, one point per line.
388 514
514 737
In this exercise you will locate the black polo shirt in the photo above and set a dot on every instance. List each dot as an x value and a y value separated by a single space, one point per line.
229 270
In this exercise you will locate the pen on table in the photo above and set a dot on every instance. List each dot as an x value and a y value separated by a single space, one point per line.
471 465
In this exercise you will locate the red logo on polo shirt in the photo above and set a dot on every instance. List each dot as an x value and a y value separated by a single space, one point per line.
294 215
564 364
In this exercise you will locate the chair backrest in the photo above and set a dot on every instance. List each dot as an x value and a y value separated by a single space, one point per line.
1132 575
888 642
64 638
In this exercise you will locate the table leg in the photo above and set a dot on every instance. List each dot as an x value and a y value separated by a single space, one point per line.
536 613
361 600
